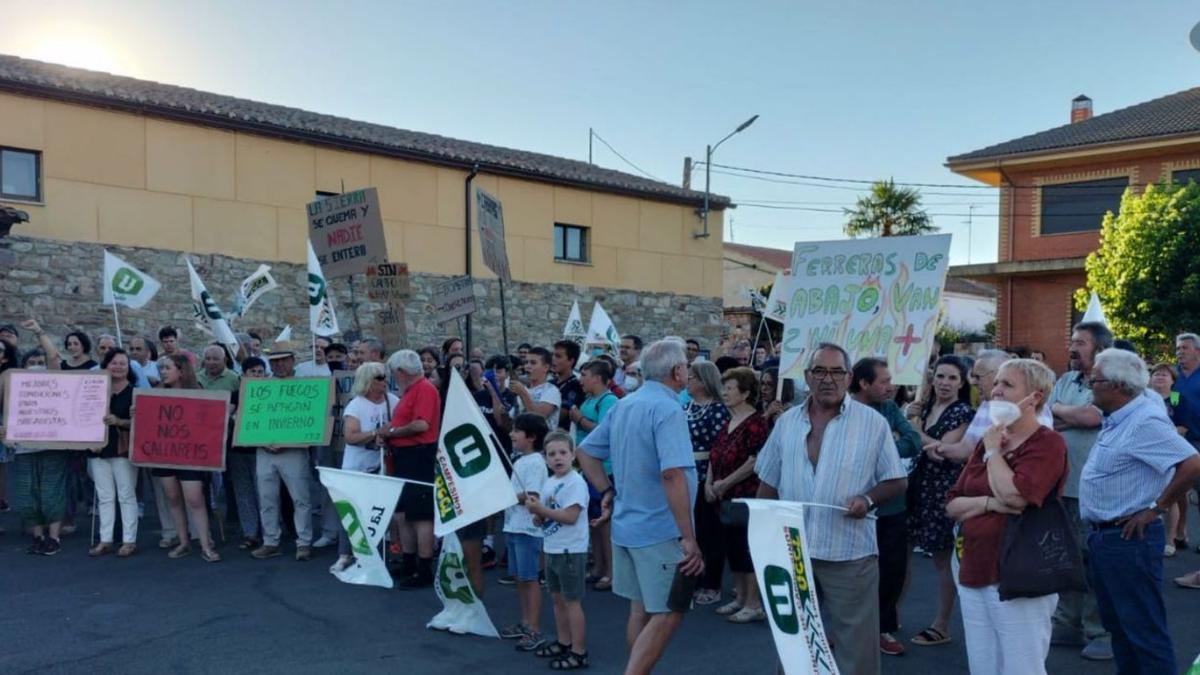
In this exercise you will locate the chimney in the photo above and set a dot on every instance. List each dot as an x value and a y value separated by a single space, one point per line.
1081 109
687 173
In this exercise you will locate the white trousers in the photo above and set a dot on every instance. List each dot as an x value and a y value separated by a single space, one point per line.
1006 638
116 482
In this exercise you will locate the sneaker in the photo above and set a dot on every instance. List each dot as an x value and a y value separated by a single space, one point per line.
515 631
704 596
1169 551
324 542
303 553
507 580
341 565
53 546
890 645
532 641
37 545
1098 649
265 551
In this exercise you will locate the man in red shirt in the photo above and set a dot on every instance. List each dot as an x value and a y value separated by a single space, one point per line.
412 440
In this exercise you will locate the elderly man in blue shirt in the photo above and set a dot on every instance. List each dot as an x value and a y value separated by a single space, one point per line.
646 437
1138 467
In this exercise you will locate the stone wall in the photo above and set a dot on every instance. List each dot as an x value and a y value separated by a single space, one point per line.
59 283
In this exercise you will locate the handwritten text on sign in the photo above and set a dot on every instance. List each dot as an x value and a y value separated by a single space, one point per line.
388 282
291 412
347 232
491 234
58 410
453 299
179 429
874 297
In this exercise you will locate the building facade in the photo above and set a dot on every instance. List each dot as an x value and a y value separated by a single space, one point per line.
154 172
1055 188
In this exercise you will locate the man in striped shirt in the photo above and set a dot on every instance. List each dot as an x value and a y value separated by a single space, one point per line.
1138 467
834 450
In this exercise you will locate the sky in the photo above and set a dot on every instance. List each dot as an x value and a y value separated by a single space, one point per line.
851 89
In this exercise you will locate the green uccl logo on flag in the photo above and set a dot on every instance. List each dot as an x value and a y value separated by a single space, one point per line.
453 581
442 497
210 306
781 599
354 530
316 290
127 282
468 450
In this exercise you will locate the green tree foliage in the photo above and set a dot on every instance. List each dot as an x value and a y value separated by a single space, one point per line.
1147 269
888 211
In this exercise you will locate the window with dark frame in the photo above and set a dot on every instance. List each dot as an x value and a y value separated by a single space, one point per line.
1080 206
20 174
570 243
1183 176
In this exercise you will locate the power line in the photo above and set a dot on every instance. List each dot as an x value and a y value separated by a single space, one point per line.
849 180
623 158
858 190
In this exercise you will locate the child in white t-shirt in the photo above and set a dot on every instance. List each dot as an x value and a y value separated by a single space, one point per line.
524 537
562 516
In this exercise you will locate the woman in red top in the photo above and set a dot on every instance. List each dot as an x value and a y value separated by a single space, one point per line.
1010 469
731 476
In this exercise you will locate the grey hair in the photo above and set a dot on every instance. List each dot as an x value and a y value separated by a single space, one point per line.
405 360
828 345
1038 377
374 345
710 377
662 357
364 376
993 357
1195 339
106 336
1124 369
216 347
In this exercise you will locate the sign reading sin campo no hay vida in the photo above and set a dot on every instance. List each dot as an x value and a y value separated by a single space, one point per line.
179 429
292 412
56 410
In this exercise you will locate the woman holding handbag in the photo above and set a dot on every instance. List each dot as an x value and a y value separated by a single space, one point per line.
114 476
1016 469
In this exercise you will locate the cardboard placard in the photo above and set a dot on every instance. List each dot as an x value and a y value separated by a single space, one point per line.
491 234
347 232
289 413
179 429
388 282
56 410
391 326
453 298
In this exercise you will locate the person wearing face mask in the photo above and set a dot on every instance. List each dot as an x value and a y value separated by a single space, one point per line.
633 377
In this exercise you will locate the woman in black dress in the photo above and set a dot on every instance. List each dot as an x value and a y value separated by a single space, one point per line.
943 416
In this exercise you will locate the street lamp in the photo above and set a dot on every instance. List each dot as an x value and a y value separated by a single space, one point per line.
708 153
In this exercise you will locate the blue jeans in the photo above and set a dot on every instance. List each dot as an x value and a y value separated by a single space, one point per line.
1127 577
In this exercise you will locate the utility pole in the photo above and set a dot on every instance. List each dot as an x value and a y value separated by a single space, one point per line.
591 133
970 229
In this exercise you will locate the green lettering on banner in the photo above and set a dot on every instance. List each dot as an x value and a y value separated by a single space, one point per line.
781 598
442 498
354 529
286 412
468 450
453 579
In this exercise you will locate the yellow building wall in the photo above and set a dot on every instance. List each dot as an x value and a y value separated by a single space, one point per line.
119 178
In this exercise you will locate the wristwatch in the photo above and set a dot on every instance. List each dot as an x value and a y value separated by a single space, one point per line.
870 502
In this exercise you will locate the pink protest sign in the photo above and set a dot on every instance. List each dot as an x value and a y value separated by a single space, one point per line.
45 409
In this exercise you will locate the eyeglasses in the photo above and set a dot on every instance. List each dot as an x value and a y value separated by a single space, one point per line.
827 374
1093 381
381 378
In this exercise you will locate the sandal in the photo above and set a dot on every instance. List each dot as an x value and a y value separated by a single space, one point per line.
930 637
126 550
210 556
555 648
570 661
180 551
729 608
747 615
603 584
103 548
1191 580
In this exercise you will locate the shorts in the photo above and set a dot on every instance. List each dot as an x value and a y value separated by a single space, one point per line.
415 462
180 474
565 574
644 574
524 554
476 530
416 502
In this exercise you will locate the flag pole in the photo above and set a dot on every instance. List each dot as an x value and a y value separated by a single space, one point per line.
117 319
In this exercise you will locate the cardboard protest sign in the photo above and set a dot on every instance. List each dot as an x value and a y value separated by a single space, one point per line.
391 326
56 410
291 412
453 298
388 282
346 231
874 297
179 429
491 234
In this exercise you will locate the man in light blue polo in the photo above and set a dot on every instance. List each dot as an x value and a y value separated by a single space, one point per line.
1138 467
646 437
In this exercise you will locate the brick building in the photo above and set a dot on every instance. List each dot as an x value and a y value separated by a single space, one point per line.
1055 187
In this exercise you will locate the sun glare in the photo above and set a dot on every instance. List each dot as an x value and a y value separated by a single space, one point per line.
81 48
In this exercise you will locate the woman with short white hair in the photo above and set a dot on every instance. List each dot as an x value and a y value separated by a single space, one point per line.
364 416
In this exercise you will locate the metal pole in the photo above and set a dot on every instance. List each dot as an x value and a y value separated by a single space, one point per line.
467 246
707 184
590 134
354 307
503 318
117 319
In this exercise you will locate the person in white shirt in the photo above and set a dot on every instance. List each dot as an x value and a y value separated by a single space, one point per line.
524 537
541 397
565 543
317 367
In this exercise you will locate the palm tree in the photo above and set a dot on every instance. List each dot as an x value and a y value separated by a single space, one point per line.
888 211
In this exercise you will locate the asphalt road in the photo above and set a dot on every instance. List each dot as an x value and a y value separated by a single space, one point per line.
149 614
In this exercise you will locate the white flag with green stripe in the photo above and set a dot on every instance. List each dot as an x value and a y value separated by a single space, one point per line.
125 284
364 504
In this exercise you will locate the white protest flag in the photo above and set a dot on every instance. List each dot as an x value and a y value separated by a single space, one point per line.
574 327
364 504
253 287
321 317
781 564
462 611
125 284
470 482
208 315
777 302
285 335
1094 313
601 329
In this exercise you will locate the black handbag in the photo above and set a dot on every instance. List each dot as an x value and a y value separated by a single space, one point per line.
1039 554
